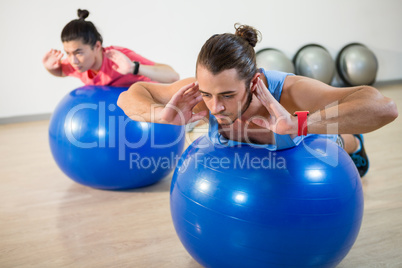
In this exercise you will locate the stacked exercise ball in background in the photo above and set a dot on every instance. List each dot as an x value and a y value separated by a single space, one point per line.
355 63
315 61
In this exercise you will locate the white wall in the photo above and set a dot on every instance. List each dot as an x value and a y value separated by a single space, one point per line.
173 31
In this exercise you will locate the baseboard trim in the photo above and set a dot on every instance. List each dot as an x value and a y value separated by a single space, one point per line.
388 82
24 118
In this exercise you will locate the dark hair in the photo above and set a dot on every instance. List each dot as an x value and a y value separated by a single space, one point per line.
227 51
81 29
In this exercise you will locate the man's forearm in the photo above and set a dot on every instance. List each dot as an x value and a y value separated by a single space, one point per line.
159 72
138 104
56 72
359 112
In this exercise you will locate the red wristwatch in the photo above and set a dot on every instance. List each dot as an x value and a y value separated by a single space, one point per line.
301 122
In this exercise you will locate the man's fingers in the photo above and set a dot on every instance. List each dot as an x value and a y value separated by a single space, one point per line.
55 52
187 89
262 92
193 102
181 93
192 95
192 91
187 103
111 55
59 56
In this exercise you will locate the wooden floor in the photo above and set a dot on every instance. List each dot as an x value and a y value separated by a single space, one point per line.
47 220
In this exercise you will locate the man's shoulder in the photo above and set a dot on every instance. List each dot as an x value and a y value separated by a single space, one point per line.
119 48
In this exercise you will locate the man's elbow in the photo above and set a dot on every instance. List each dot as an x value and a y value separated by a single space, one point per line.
386 111
386 107
391 111
173 77
122 100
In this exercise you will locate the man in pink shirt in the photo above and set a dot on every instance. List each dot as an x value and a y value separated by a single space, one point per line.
96 65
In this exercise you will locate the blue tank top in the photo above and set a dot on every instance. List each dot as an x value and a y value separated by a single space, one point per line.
275 80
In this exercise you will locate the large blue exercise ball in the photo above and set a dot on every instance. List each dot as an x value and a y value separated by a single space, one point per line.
249 207
357 65
97 145
274 59
314 61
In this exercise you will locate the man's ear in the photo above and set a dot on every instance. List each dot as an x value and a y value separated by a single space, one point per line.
97 46
254 81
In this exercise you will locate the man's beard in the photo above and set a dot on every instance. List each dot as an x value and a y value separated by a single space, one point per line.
240 111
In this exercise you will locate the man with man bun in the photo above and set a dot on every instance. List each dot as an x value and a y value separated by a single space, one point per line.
248 105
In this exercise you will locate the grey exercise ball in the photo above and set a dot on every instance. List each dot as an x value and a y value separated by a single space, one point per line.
357 65
274 59
315 61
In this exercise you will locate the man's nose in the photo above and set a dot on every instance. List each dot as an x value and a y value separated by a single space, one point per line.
75 60
216 106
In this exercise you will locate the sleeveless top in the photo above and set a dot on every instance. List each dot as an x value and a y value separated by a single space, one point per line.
275 80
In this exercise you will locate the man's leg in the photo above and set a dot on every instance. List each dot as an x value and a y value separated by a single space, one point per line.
354 146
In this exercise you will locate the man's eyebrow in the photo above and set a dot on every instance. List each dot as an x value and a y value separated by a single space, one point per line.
221 93
202 91
77 50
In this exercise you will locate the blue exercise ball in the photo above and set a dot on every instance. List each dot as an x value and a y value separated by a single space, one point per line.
357 65
97 145
250 207
314 61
